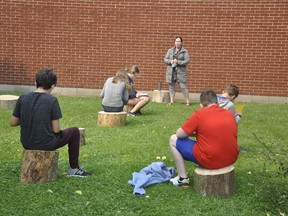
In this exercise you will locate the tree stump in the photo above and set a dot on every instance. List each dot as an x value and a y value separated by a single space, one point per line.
8 101
82 136
39 166
161 96
110 119
216 182
128 108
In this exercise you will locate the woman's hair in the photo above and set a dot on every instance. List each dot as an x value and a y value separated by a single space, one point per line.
208 97
122 76
134 69
45 78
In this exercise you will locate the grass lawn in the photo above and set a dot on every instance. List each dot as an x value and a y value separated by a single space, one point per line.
113 154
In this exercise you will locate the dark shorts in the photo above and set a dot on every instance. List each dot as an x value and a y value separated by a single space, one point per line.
185 147
112 109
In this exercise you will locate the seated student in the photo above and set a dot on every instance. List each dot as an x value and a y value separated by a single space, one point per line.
136 99
226 100
115 92
216 139
38 115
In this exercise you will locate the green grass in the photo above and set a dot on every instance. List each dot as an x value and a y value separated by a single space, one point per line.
113 154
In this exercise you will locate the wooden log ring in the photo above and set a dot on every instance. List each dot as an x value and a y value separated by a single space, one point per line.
128 108
215 182
39 166
110 119
8 101
161 96
82 136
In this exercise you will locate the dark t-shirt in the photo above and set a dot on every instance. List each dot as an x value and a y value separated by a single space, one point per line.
36 112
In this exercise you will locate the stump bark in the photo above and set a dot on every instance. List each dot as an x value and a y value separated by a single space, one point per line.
161 96
39 166
110 119
217 182
8 101
128 108
82 136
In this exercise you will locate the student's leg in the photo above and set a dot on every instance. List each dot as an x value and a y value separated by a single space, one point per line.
138 103
178 158
71 136
172 91
185 92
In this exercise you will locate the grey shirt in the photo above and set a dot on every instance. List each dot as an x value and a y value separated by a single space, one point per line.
114 94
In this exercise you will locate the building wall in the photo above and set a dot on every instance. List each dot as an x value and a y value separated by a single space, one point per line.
229 41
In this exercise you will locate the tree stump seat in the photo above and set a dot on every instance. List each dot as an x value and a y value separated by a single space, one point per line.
8 101
110 119
215 182
39 166
82 136
128 108
162 96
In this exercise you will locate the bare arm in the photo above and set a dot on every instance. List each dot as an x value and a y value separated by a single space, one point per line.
14 121
56 126
180 133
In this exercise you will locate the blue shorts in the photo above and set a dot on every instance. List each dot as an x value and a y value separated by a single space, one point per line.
185 147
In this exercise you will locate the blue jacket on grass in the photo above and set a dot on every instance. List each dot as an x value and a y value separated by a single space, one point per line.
156 172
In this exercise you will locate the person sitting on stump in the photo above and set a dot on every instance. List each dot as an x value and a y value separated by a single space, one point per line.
38 115
216 145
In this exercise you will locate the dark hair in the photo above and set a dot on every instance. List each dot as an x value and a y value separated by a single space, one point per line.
45 78
208 97
179 38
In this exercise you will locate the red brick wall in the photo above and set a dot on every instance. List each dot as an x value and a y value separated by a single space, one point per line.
85 41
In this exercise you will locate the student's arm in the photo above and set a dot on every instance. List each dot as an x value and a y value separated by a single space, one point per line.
56 126
180 133
14 121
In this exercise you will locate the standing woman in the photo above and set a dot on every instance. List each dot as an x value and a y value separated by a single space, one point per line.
176 60
115 93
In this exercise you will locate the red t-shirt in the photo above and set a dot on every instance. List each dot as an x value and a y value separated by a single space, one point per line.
216 136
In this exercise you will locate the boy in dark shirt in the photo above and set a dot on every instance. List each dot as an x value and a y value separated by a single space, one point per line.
38 115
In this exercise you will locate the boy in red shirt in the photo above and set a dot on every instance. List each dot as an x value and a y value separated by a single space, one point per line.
216 134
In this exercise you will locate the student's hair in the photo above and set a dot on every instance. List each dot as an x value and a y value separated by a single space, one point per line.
45 78
232 90
121 76
179 38
134 70
208 97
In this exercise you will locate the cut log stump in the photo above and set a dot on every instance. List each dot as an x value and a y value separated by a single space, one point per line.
39 166
128 108
8 101
161 96
82 136
216 182
110 119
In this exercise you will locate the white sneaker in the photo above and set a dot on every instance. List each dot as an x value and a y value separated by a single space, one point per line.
177 182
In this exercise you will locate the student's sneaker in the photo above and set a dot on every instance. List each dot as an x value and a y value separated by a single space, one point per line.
78 172
177 182
138 112
131 114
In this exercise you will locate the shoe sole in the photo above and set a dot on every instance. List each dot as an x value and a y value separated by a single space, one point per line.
76 176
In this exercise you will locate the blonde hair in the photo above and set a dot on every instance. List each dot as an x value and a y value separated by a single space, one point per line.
134 69
122 76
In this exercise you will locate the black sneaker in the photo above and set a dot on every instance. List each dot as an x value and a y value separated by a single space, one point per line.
132 114
138 112
78 173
